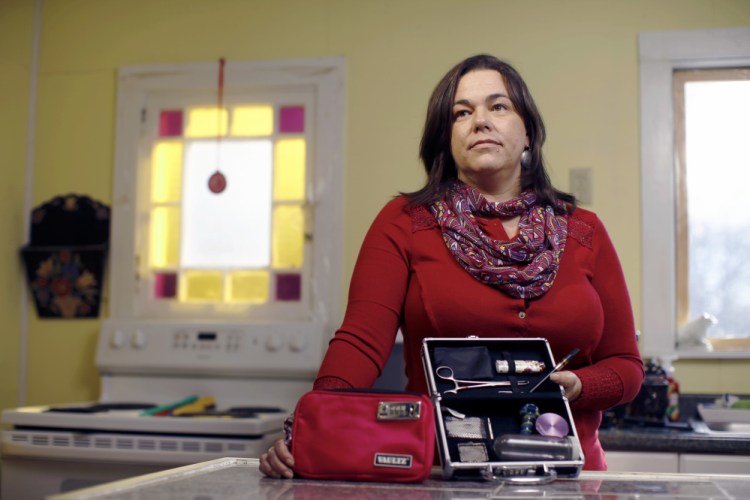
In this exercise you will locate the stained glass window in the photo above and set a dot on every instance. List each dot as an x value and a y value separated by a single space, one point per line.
170 123
165 285
166 172
288 286
289 178
249 286
292 119
246 243
252 121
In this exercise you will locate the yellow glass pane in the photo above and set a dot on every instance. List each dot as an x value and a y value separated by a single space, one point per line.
288 236
289 170
166 172
206 122
252 121
249 286
203 285
165 237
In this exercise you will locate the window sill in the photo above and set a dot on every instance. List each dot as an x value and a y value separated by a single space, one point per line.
698 354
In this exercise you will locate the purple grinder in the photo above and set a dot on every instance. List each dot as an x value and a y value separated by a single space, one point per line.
552 424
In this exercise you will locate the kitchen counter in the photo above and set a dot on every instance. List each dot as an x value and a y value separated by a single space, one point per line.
236 478
691 435
676 441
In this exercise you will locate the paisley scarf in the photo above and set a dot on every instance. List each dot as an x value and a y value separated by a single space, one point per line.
524 267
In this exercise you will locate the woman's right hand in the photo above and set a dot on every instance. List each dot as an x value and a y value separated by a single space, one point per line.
277 462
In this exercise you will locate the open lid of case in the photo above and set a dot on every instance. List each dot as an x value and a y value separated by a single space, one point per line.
489 422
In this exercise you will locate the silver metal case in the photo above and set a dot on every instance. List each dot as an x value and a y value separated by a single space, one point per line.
466 448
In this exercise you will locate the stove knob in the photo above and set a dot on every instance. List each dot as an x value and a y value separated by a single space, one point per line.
273 343
117 340
139 339
298 343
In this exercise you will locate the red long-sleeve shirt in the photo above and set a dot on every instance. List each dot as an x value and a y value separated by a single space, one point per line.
406 278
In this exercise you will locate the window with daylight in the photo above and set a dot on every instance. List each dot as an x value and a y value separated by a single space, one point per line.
713 209
695 96
228 209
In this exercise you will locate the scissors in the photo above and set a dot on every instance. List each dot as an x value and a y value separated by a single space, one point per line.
446 373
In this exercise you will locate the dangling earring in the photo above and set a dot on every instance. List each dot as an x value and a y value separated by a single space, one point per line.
526 159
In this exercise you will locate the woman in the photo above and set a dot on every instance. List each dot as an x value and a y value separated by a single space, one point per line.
489 248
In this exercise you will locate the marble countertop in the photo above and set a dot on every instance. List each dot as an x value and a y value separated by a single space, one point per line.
239 478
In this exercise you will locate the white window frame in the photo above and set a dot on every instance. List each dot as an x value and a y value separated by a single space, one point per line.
660 53
325 192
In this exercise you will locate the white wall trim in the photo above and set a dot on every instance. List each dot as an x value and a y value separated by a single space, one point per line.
660 53
326 78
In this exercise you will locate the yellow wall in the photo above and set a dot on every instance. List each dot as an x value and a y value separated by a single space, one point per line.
578 56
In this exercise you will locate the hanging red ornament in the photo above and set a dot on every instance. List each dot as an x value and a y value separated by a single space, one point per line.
217 183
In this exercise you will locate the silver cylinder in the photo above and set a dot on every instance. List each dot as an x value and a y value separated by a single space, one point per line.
518 447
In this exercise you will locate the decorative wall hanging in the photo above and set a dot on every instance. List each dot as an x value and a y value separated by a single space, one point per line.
66 255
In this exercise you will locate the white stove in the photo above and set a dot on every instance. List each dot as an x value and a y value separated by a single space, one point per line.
253 374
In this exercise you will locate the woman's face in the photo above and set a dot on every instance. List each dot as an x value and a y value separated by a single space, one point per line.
488 134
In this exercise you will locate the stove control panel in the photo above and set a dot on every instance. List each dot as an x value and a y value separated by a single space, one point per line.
293 349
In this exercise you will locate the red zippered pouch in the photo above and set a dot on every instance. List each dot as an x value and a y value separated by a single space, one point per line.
363 435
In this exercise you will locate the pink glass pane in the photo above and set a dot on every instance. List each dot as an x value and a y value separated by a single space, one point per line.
288 287
165 285
170 124
292 119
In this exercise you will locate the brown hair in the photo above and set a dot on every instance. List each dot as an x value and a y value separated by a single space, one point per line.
435 150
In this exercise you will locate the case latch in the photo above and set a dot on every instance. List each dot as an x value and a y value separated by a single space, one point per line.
399 410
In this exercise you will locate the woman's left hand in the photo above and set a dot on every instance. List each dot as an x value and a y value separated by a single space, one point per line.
278 461
570 382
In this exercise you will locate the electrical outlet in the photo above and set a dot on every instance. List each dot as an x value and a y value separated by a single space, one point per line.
581 185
